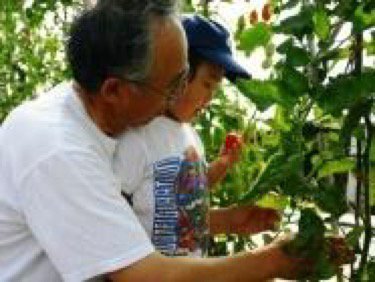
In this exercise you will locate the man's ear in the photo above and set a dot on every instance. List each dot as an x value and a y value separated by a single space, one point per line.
113 88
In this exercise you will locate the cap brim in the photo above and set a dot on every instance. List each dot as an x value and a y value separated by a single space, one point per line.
233 70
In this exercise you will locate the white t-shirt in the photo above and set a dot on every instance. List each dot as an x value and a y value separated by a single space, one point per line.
62 216
162 168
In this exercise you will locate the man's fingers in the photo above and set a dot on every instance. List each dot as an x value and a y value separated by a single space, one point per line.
339 251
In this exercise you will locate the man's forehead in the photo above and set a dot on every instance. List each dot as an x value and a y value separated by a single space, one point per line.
170 53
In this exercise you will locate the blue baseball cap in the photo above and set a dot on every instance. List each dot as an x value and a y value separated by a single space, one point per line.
210 40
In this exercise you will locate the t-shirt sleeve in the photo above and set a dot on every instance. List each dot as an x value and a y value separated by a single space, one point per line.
72 204
198 142
130 161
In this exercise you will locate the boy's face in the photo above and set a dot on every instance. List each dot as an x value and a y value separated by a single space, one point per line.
199 92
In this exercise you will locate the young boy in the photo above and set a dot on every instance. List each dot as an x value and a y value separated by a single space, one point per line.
162 165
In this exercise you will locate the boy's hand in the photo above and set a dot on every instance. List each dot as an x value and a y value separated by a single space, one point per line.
253 219
231 150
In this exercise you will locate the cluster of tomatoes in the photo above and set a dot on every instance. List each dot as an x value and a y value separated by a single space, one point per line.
266 14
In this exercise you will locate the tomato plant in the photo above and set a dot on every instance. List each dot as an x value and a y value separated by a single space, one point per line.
318 141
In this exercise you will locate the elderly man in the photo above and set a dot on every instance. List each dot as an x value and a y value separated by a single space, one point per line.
62 216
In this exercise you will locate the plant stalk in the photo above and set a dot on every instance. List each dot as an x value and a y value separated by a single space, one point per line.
366 193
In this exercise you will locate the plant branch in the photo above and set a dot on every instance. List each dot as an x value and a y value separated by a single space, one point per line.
367 210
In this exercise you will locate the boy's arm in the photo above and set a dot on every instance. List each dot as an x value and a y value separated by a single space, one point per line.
229 155
242 220
217 170
259 265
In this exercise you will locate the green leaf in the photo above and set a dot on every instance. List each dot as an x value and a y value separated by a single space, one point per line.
351 121
188 7
263 93
266 179
279 169
345 91
295 56
274 201
310 238
271 140
337 166
370 270
280 122
370 47
310 226
294 184
331 199
363 20
323 269
254 37
298 25
266 93
353 236
321 24
296 82
336 54
284 47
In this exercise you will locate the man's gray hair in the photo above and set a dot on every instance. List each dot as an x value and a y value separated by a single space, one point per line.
114 38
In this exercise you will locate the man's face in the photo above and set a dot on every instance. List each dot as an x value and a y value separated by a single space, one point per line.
167 77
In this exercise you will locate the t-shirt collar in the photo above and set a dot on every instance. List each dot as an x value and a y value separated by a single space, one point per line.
109 143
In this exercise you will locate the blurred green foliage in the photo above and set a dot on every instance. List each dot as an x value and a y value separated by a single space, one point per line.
31 48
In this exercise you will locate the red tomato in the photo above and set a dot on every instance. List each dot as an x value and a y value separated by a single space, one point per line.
253 17
232 140
266 12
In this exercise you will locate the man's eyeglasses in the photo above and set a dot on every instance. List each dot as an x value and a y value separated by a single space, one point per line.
173 91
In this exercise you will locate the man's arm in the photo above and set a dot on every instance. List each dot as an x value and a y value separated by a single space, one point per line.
259 265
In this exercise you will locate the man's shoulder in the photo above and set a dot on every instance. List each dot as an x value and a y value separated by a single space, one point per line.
43 124
42 108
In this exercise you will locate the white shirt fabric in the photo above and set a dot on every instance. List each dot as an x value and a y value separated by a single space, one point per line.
62 216
162 167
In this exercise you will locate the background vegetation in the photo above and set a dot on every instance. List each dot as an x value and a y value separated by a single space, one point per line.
308 126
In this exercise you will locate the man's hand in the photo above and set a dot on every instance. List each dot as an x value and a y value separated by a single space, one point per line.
288 266
339 252
335 249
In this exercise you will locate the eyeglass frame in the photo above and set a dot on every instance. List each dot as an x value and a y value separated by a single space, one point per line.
174 89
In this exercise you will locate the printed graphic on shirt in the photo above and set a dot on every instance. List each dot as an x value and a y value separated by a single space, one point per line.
181 206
